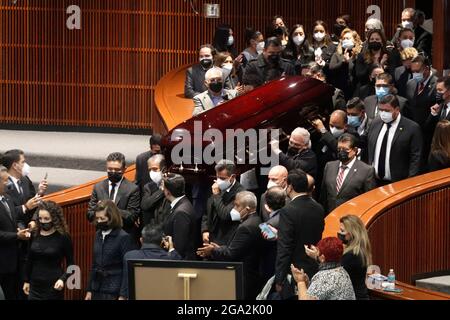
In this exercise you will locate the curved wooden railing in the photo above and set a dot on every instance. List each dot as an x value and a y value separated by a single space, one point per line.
409 227
170 102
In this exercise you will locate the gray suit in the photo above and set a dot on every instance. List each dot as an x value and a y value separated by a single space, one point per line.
127 200
203 101
195 81
360 179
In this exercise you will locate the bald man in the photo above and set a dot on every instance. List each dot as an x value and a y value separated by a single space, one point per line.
299 154
215 95
277 178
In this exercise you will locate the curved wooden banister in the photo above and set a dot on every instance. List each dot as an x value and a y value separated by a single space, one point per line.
409 227
170 102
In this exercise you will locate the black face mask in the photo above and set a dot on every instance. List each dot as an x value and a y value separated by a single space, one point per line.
46 226
293 151
274 59
206 63
439 98
115 177
216 87
343 156
375 46
338 29
342 238
102 226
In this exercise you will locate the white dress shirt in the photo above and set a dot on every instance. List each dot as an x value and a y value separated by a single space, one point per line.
392 131
349 167
16 184
174 202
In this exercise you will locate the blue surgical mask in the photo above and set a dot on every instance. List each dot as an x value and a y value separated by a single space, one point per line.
354 121
418 76
381 92
348 44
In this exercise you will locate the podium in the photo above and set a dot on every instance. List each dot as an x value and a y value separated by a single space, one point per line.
184 280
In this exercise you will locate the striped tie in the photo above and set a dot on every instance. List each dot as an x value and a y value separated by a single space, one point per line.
340 178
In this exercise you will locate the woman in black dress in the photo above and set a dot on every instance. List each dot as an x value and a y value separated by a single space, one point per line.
440 148
298 50
50 245
357 253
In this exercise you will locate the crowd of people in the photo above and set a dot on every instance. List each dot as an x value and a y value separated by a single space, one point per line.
391 121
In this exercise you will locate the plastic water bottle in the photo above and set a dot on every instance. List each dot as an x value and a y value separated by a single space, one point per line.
391 279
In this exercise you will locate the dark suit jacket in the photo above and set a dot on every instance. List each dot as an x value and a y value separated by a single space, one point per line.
419 106
406 150
245 245
9 244
195 81
402 76
180 226
360 179
301 223
371 103
127 200
432 121
259 69
217 220
423 41
142 175
305 160
155 207
147 252
19 200
263 213
107 263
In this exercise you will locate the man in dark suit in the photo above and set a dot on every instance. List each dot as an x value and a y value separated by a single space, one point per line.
268 66
357 116
420 91
20 188
124 193
384 85
9 241
142 172
219 224
441 110
301 223
245 245
180 222
155 246
195 75
394 144
347 177
423 39
299 154
277 178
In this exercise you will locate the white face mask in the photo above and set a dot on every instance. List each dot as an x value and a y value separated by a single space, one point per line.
407 43
26 170
408 25
235 215
230 41
260 47
156 176
271 184
336 132
223 184
348 44
319 36
298 40
227 67
387 117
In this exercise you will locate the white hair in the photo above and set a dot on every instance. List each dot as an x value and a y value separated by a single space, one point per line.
247 199
304 134
374 23
213 73
411 11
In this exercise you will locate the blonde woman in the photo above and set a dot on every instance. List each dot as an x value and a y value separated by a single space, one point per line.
357 253
343 61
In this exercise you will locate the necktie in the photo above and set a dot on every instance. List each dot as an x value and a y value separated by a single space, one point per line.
340 178
19 183
444 112
383 151
113 190
5 204
421 87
